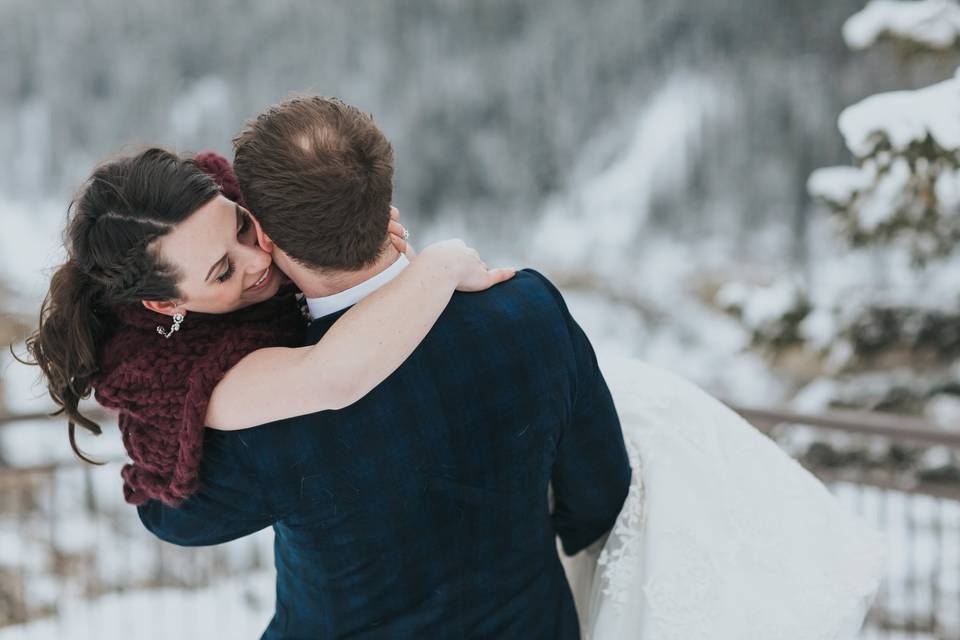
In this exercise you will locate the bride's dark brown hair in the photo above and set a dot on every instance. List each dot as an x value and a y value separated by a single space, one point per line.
121 210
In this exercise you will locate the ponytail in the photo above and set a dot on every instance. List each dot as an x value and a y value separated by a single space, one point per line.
73 323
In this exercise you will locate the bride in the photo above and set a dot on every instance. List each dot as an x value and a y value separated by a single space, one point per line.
119 286
722 535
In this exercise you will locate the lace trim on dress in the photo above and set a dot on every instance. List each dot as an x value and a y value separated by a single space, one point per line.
618 560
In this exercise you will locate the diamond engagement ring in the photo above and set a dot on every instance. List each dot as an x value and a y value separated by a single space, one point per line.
406 235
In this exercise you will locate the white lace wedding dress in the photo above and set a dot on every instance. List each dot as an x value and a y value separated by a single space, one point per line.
722 536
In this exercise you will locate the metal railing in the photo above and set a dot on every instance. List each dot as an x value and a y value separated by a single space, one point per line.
901 475
76 563
66 536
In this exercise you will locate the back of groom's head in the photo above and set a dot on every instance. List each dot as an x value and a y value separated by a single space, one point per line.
318 174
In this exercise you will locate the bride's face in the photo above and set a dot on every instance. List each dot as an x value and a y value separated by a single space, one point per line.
221 266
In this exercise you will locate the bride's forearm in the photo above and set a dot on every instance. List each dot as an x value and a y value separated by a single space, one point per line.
359 351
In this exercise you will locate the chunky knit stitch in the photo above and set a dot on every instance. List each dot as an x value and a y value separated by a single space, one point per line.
221 171
161 387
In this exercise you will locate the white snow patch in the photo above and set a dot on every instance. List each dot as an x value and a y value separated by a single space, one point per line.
839 185
766 304
944 410
885 199
820 328
936 457
239 608
815 397
611 205
947 190
903 118
933 23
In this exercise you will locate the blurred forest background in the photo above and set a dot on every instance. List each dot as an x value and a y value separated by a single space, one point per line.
664 142
490 104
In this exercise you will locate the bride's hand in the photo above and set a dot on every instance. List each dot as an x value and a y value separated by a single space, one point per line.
398 233
464 264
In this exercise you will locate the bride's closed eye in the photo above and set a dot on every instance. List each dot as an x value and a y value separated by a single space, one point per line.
244 226
226 274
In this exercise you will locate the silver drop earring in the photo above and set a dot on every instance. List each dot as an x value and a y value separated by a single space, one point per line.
177 320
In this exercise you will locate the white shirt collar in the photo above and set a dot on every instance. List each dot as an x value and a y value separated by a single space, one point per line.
324 306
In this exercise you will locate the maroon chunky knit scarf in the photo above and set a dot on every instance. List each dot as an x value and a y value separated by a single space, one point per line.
161 387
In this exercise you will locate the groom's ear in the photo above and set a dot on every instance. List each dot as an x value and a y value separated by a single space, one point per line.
262 238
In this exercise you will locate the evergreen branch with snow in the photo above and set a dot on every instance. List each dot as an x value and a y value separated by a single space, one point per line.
907 181
932 24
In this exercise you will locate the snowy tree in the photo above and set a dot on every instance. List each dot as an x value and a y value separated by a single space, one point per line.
907 182
876 324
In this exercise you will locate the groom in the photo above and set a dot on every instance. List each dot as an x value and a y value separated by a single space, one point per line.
421 511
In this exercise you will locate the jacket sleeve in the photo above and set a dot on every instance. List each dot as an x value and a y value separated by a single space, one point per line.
591 471
228 505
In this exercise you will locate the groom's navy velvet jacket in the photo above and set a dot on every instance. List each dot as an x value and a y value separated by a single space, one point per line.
422 510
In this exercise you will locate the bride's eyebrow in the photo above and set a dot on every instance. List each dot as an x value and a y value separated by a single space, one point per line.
236 209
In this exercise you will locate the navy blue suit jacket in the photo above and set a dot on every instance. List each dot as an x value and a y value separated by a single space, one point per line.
421 511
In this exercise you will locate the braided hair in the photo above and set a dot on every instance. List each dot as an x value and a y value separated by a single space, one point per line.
113 223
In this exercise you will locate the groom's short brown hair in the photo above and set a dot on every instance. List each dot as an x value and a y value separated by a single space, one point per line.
318 174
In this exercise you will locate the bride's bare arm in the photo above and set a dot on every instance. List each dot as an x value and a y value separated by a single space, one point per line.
362 348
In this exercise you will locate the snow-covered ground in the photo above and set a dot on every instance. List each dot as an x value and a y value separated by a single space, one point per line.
237 609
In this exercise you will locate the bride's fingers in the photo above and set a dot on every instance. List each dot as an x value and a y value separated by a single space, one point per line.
501 275
400 244
396 228
397 233
394 213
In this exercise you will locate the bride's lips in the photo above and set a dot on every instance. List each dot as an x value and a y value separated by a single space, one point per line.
262 280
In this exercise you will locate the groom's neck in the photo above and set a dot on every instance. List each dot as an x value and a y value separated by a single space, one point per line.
318 284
